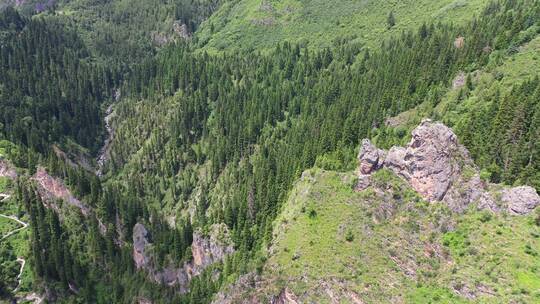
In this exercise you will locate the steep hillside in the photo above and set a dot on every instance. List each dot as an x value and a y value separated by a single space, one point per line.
257 24
196 153
128 31
386 243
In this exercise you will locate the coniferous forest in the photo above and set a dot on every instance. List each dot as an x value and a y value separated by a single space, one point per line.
141 125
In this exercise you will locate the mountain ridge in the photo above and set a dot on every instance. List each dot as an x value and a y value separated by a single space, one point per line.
387 199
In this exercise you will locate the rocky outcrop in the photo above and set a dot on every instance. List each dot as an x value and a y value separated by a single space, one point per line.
285 297
520 200
205 251
429 162
181 30
140 244
459 81
440 169
372 158
52 189
6 170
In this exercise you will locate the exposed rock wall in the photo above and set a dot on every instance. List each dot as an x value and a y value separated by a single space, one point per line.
52 189
205 250
140 244
440 169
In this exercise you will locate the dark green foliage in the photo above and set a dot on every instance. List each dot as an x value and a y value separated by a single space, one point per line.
124 32
504 138
228 134
48 90
391 20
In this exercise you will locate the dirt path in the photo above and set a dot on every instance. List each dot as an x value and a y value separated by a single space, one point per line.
19 276
24 225
12 232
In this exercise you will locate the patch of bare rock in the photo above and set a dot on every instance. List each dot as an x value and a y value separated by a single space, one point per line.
440 169
206 250
7 170
52 189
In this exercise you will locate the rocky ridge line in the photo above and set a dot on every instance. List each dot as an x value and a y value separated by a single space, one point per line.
440 169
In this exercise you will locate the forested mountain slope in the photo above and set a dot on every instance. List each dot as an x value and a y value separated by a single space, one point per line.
318 23
205 148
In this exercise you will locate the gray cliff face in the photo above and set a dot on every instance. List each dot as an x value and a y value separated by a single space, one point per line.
440 169
205 250
140 243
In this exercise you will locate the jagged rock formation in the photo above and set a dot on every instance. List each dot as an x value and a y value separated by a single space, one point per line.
373 158
205 250
440 169
52 189
140 243
6 170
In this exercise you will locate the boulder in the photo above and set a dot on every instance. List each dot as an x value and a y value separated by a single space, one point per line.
520 200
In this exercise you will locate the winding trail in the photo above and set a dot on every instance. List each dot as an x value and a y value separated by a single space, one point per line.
24 225
19 276
12 232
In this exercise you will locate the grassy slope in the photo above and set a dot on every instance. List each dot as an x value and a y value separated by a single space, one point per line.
399 248
19 242
319 22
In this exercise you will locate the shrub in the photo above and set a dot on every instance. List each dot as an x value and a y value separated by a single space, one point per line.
349 236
